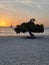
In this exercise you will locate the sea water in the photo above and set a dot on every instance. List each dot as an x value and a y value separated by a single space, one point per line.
9 31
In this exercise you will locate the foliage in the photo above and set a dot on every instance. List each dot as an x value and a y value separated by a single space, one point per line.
30 27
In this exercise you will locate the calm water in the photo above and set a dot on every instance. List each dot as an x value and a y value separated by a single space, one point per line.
7 31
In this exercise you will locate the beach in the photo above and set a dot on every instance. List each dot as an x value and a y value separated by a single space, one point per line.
17 50
24 32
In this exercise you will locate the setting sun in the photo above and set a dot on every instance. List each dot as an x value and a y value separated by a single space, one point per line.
4 22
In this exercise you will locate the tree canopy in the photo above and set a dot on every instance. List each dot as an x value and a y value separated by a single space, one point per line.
30 27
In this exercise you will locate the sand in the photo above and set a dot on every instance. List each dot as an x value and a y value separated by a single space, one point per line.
15 50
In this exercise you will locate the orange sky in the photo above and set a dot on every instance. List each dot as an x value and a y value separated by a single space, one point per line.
13 12
15 21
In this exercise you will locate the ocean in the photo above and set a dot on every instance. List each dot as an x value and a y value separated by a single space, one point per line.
8 31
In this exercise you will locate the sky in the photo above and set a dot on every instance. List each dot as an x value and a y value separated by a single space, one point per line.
17 11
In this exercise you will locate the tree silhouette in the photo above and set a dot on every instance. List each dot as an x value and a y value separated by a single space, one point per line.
30 27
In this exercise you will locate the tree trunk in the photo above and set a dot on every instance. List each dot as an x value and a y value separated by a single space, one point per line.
32 35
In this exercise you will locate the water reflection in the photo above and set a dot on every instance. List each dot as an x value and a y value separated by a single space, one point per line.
5 31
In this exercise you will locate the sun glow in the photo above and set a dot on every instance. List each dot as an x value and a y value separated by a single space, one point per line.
4 22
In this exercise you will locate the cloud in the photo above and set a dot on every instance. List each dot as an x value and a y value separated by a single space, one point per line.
2 6
8 5
38 6
24 1
32 3
27 5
